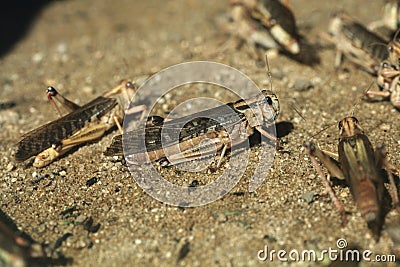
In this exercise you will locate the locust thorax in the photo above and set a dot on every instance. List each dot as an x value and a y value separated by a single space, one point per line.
262 109
269 106
349 126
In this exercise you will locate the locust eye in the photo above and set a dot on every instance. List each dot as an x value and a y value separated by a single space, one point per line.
129 85
340 125
354 119
51 91
268 100
385 65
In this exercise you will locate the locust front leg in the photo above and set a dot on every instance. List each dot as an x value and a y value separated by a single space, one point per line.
333 169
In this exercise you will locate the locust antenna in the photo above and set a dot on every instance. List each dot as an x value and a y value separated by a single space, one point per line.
293 106
353 110
268 71
396 35
377 44
323 130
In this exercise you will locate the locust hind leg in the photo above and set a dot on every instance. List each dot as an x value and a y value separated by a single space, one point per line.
87 134
333 169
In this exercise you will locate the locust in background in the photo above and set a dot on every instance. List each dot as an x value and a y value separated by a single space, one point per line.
389 75
360 166
266 23
390 18
388 82
83 124
355 42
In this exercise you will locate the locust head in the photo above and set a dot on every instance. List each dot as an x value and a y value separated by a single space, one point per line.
269 105
45 157
349 127
261 109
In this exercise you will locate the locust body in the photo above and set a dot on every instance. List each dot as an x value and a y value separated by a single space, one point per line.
221 133
356 43
83 124
360 166
267 23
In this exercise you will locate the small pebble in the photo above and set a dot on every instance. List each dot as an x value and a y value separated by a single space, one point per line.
10 167
36 58
9 117
88 90
384 127
302 85
278 74
308 197
81 244
62 173
222 218
62 48
81 218
34 174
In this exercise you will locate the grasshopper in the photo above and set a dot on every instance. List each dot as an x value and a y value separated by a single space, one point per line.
267 23
356 43
83 124
233 130
360 166
388 82
199 135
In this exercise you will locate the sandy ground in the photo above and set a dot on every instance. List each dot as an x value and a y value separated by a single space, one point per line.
87 47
